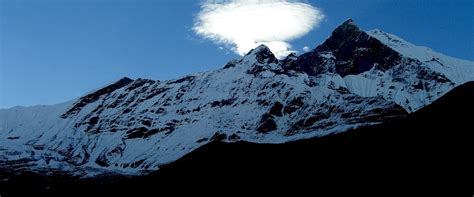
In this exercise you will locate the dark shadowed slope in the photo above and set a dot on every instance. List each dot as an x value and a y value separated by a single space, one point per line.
427 152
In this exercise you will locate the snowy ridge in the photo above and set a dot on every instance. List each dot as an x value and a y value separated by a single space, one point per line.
135 126
457 70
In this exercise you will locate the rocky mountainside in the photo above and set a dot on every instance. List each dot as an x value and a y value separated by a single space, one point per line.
354 79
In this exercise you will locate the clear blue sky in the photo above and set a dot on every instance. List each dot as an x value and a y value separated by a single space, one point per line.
56 50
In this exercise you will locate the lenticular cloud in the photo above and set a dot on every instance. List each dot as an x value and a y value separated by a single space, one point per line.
242 25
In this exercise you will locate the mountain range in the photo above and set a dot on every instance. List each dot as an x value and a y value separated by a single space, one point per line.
356 82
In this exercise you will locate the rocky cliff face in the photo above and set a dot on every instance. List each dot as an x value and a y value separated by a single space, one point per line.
354 79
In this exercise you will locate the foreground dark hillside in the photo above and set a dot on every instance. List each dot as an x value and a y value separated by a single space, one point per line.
427 152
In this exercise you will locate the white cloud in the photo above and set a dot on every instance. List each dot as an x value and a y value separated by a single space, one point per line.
244 24
306 49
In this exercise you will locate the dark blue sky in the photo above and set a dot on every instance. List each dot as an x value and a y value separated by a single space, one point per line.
56 50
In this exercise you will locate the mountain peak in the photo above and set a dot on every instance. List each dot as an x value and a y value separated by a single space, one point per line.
262 47
125 79
348 22
348 28
263 54
344 33
355 52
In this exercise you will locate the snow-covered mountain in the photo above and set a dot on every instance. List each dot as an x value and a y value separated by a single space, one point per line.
376 63
353 79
